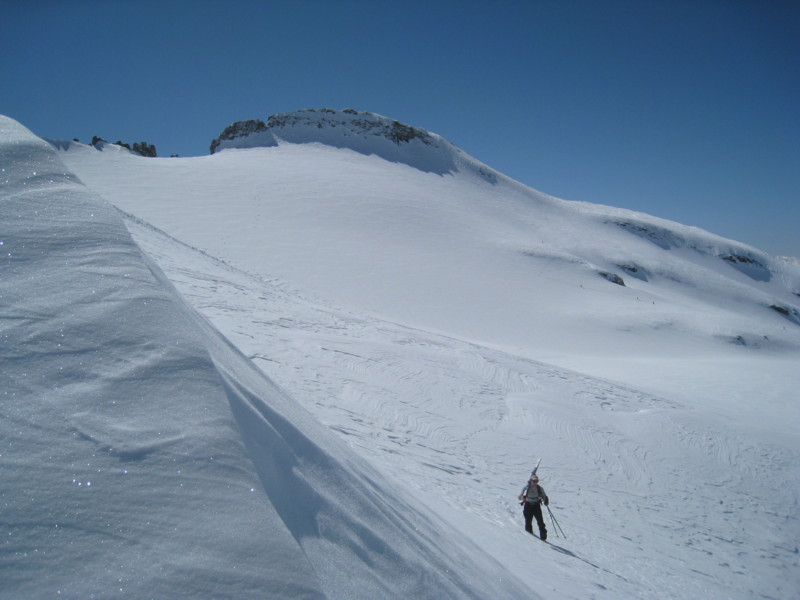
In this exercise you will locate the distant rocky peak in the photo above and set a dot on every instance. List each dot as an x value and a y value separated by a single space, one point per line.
363 132
352 121
140 148
302 125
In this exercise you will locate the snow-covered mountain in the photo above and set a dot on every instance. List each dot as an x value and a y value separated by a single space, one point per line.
363 132
144 456
432 327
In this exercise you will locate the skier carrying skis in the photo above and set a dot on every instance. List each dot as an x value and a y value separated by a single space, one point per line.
531 499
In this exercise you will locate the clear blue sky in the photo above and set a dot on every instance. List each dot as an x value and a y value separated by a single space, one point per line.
683 109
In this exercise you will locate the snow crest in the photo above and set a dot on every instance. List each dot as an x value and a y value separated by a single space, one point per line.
363 132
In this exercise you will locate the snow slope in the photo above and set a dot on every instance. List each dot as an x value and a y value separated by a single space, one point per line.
450 326
478 257
659 499
144 456
507 262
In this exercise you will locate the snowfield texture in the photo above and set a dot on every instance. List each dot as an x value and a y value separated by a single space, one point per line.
391 334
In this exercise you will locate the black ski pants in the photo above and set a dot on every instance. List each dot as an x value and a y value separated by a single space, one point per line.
531 510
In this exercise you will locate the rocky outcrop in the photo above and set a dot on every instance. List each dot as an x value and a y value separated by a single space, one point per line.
237 130
362 132
140 148
612 277
144 149
347 122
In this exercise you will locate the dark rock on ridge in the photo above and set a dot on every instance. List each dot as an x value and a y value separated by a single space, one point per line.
350 122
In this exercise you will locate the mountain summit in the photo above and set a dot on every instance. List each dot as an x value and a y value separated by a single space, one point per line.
364 132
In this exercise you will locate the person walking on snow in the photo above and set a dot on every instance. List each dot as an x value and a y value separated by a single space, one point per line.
531 499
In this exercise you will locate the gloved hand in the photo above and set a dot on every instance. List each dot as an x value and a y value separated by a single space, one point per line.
547 501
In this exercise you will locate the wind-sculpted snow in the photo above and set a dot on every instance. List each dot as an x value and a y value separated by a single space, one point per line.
143 456
123 469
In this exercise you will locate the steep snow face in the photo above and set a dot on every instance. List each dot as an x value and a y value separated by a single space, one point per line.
363 132
144 456
124 472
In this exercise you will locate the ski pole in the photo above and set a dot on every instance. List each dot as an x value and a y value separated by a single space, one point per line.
555 523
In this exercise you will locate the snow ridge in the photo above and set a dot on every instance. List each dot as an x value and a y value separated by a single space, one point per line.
352 122
364 132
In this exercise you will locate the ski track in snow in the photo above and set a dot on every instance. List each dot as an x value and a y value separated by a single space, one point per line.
462 424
